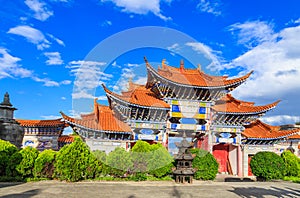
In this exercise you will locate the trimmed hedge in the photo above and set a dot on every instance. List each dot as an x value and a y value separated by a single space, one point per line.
205 163
267 165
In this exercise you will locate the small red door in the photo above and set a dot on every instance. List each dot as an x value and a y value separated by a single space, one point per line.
249 168
220 152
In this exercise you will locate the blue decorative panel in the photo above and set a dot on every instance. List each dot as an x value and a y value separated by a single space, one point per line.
175 108
202 110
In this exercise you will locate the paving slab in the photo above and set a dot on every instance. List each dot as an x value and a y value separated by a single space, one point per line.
161 189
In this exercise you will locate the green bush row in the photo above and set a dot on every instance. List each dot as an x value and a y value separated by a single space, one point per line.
268 165
76 162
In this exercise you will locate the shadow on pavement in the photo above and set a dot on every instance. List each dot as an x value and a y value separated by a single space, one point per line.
262 192
176 193
237 179
26 194
8 184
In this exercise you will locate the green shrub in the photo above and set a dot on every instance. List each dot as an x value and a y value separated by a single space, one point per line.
205 163
76 162
6 151
160 162
267 165
44 164
292 167
21 163
141 153
13 162
100 155
26 166
118 162
138 176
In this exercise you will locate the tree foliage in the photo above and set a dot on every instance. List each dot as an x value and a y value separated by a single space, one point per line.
6 151
76 162
100 155
44 164
205 163
118 162
21 163
267 165
141 153
292 167
160 162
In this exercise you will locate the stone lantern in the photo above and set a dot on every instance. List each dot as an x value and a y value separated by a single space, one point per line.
184 170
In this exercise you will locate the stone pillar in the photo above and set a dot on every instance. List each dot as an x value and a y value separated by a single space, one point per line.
240 161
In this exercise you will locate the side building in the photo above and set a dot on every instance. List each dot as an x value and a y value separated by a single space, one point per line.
101 129
42 134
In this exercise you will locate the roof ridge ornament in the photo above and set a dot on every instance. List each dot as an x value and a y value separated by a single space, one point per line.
6 100
181 65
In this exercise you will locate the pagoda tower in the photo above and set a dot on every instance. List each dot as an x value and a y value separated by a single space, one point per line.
10 129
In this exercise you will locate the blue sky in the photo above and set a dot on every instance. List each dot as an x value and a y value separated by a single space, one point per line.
53 54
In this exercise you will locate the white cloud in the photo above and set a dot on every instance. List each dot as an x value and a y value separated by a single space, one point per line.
50 83
280 119
276 63
297 21
253 33
32 35
54 58
106 23
209 53
141 80
141 6
65 82
63 98
209 6
9 66
50 117
60 42
40 9
88 77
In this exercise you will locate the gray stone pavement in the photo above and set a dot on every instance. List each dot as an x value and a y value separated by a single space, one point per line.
56 189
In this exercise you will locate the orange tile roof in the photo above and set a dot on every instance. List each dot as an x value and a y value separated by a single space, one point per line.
139 95
260 130
102 119
296 136
195 77
66 139
231 105
41 123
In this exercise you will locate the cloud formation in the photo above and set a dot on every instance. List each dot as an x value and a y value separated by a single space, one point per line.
141 6
9 66
54 58
210 6
88 77
32 35
35 36
40 9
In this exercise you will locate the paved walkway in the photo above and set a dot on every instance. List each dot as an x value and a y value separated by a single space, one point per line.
56 189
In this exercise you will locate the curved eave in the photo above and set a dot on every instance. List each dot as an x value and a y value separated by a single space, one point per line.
273 138
96 130
237 81
119 98
27 123
266 108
